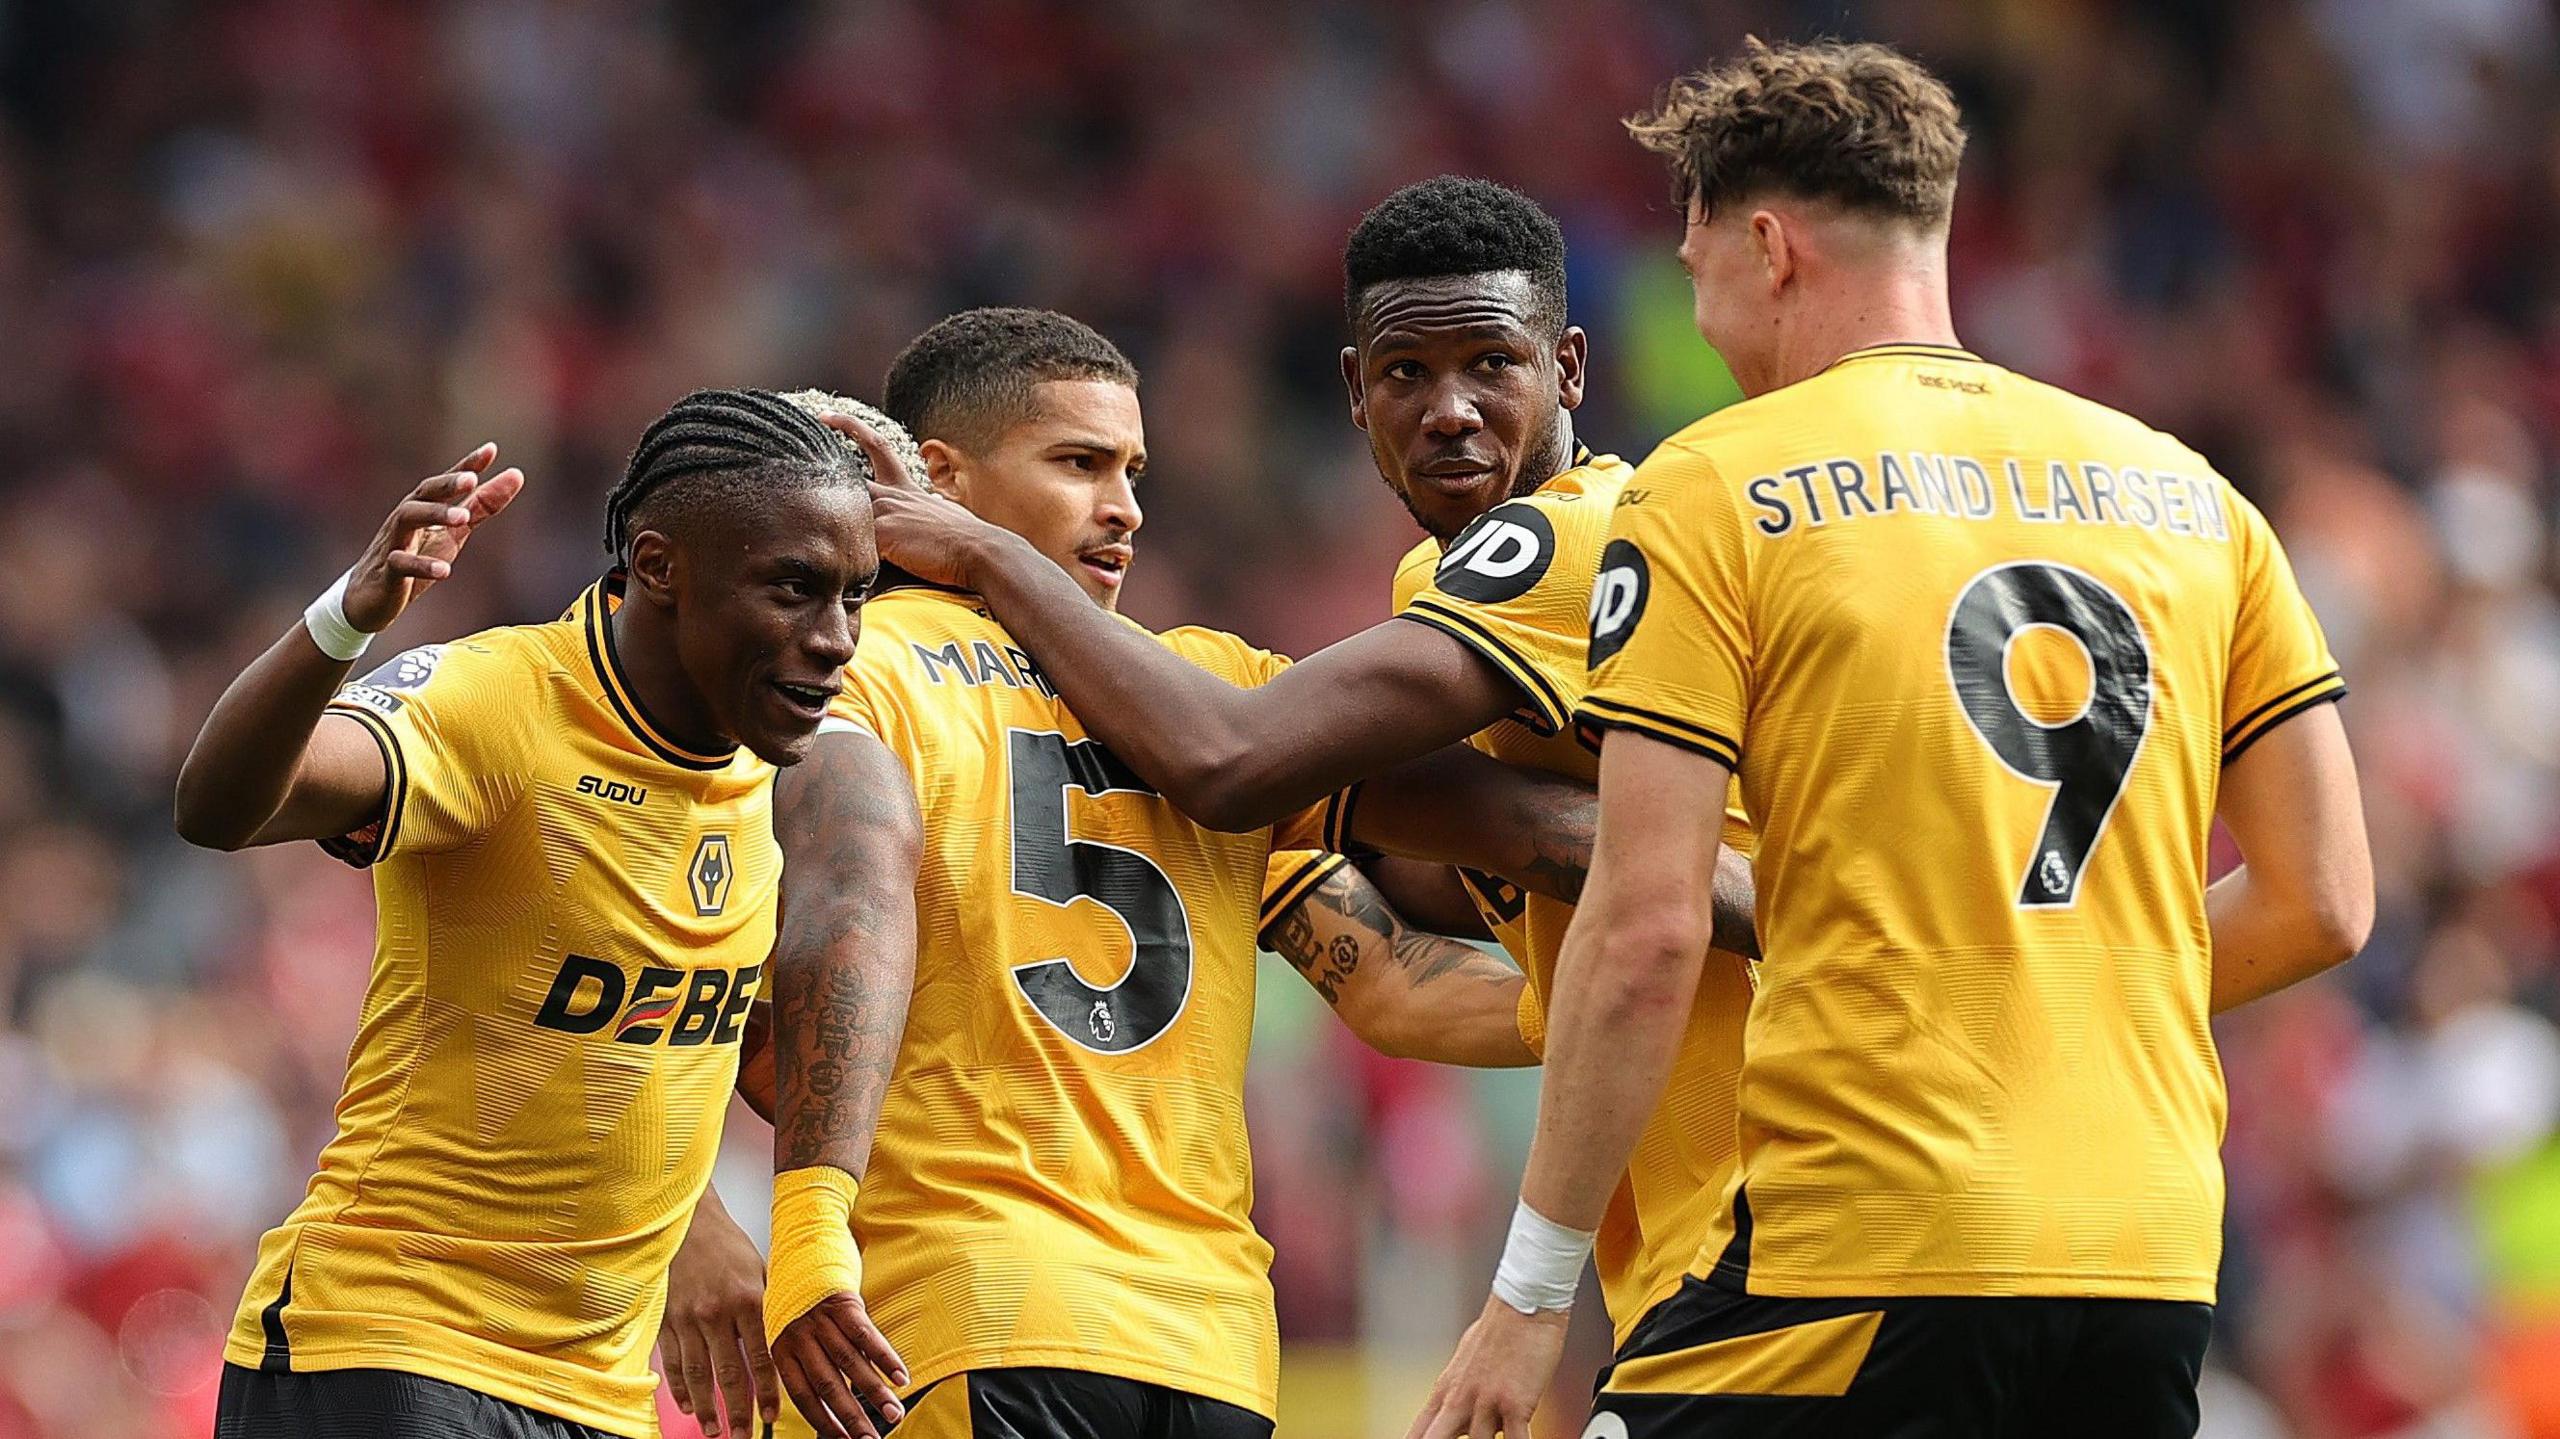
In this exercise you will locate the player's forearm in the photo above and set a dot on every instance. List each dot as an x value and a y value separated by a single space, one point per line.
1737 925
1404 992
843 964
1623 989
1180 727
2268 937
755 1060
1459 807
239 774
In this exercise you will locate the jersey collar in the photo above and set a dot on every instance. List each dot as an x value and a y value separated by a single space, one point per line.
596 605
1907 350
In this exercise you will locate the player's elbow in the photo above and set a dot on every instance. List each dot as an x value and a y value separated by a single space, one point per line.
2337 921
204 821
1221 787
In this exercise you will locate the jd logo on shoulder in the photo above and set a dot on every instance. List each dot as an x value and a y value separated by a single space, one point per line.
380 691
1499 557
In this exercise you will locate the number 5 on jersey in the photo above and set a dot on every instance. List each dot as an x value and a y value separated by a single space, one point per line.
2086 758
1051 865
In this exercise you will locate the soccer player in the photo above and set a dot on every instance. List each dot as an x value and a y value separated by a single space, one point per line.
1464 373
576 878
1990 659
1057 965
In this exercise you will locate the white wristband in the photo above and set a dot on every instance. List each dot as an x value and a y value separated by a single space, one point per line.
327 622
1541 1262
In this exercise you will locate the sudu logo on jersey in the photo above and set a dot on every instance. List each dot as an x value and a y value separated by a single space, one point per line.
1499 557
679 1007
1617 599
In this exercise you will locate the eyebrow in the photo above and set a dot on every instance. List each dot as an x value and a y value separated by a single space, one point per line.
1403 334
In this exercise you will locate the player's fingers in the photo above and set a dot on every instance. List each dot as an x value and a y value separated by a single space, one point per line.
760 1361
494 494
410 565
696 1363
886 467
447 488
856 1323
826 1373
416 515
856 1366
481 457
737 1387
670 1363
805 1396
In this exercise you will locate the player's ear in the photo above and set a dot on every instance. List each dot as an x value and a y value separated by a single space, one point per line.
1573 349
1351 384
653 567
943 471
1775 247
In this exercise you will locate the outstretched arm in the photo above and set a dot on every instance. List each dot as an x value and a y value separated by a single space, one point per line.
1534 829
268 767
1404 992
1623 989
843 968
1231 758
2302 900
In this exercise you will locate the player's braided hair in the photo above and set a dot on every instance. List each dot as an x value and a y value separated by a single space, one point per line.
715 444
971 376
1457 225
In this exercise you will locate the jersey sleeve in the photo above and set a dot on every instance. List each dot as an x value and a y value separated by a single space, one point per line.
2280 661
452 722
1293 875
1505 589
1247 666
1669 627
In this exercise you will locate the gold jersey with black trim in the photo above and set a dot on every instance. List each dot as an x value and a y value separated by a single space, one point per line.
1980 649
1515 586
572 918
1061 1177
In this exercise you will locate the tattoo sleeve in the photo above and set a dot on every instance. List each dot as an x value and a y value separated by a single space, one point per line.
1404 991
844 958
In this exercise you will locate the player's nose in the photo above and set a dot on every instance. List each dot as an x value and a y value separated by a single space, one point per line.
1116 506
830 640
1451 412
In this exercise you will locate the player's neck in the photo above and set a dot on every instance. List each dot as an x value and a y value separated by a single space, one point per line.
1897 307
644 647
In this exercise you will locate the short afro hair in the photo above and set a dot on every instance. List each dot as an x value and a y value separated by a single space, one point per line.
971 377
1457 225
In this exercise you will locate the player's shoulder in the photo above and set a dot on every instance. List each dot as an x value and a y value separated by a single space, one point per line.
1413 572
1222 652
492 668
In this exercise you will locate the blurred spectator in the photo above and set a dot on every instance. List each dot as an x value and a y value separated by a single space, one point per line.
264 262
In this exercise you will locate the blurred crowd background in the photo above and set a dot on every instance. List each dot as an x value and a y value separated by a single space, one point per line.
263 265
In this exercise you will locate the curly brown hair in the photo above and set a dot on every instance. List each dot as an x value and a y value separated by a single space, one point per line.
1863 126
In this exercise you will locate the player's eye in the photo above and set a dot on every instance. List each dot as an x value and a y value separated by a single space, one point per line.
1497 361
1081 461
797 589
1404 370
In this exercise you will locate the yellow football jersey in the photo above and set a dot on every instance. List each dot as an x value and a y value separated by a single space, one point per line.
1061 1177
1980 648
1515 586
572 917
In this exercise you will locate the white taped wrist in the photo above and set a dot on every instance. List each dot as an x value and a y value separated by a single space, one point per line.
327 622
1541 1262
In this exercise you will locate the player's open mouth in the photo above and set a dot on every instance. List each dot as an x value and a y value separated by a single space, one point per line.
1110 562
807 701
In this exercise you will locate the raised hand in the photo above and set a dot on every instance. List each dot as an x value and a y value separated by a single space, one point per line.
834 1361
418 543
928 535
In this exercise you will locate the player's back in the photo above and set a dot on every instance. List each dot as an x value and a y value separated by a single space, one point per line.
573 918
1980 648
1062 1176
1516 588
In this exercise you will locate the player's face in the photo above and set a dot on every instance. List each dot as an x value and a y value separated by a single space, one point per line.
1461 394
1729 285
1065 477
768 604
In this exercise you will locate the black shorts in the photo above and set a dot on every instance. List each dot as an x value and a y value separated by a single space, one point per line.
372 1404
1069 1404
1708 1363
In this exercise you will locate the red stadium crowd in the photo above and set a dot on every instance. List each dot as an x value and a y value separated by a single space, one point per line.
262 263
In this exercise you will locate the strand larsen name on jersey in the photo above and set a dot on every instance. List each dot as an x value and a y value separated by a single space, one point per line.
2083 492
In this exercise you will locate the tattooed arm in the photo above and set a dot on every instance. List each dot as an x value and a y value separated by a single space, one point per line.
843 968
844 961
1404 992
